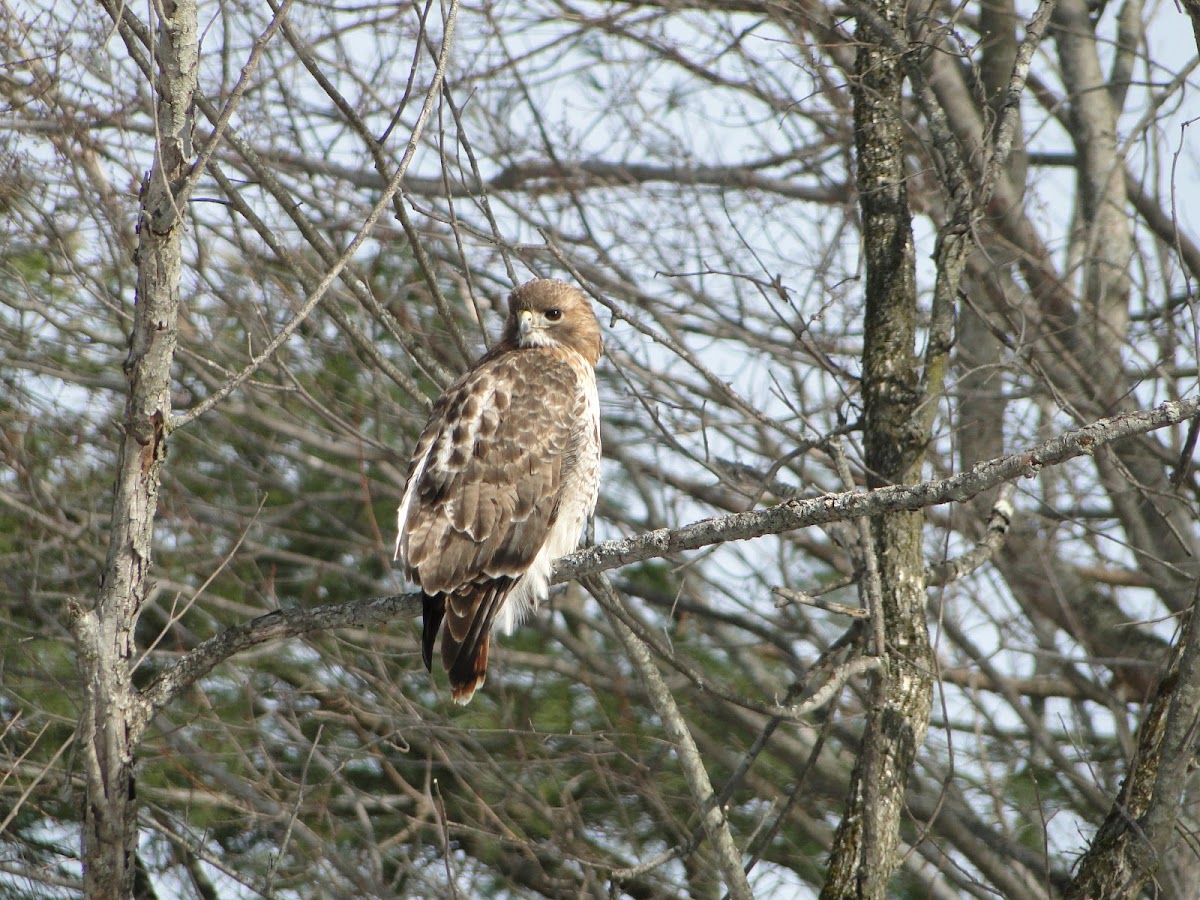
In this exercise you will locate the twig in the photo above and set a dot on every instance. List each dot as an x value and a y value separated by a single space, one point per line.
870 587
18 805
276 625
997 530
938 574
787 516
788 596
796 513
1010 113
716 826
334 270
235 97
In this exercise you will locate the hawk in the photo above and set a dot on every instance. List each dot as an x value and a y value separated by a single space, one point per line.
503 478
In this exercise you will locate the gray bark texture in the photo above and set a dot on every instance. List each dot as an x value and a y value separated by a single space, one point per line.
1139 836
864 849
110 724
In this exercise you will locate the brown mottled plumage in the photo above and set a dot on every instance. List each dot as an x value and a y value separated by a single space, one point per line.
503 478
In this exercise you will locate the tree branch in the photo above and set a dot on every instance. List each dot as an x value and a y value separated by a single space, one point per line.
112 713
277 625
1139 831
786 516
364 232
716 825
848 505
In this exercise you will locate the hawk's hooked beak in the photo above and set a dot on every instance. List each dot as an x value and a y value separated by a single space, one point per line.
525 322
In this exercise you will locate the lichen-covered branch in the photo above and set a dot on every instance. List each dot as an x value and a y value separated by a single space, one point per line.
786 516
1139 831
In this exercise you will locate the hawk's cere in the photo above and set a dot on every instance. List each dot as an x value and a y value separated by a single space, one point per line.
503 478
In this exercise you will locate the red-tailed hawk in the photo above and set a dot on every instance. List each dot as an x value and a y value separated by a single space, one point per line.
503 478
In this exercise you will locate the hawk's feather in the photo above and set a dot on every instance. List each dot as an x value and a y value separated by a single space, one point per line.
503 477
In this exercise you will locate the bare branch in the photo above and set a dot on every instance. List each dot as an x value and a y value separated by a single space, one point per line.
787 516
278 625
850 505
364 232
713 818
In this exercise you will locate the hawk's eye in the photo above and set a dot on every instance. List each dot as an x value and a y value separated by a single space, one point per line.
553 315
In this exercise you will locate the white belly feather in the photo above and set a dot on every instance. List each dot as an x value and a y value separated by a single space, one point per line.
581 486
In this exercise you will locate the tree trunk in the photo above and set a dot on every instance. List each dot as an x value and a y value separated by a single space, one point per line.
864 848
109 727
1139 834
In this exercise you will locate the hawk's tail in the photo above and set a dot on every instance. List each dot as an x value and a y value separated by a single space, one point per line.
469 614
433 610
468 673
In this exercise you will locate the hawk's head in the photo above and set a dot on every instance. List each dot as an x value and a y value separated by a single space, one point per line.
549 313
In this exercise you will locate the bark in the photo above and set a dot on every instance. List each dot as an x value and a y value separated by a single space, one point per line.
1192 7
981 400
109 726
864 849
1139 833
1103 235
1156 522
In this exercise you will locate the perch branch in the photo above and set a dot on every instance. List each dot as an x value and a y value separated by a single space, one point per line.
786 516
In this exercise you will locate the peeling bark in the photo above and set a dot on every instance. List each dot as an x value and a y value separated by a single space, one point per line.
110 722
